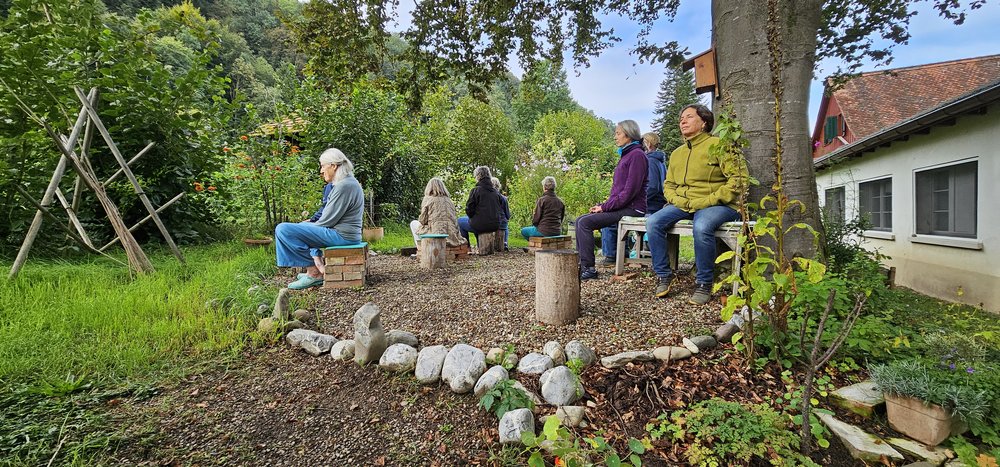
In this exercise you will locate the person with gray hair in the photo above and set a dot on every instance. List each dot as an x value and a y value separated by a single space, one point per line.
549 213
485 207
339 223
437 215
627 197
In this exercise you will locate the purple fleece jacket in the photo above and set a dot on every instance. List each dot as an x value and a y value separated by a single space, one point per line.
628 189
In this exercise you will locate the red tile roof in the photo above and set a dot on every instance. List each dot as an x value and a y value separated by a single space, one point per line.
879 99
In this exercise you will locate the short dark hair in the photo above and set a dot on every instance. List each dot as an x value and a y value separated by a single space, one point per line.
704 114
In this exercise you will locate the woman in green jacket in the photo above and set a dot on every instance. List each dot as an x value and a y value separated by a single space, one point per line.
701 187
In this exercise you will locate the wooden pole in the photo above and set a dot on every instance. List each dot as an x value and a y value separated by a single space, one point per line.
128 173
144 220
88 137
79 240
557 286
128 164
50 190
433 252
72 217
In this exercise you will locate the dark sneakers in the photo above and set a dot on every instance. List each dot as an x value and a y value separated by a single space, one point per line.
663 286
587 274
702 294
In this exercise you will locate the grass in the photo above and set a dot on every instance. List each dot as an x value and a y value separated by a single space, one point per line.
75 335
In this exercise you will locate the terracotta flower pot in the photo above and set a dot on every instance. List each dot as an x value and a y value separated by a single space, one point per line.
372 234
925 422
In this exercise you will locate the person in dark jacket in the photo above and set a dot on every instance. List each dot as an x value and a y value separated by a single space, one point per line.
484 208
549 213
504 210
627 197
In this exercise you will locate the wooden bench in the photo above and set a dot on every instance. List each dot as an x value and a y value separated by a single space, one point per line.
346 266
555 242
729 233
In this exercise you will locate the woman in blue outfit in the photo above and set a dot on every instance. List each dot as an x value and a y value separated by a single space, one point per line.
339 223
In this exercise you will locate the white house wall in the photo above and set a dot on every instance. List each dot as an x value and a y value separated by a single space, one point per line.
949 272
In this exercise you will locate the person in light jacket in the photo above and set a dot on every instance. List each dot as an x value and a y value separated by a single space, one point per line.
437 215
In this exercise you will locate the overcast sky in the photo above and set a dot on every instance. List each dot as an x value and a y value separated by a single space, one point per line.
617 87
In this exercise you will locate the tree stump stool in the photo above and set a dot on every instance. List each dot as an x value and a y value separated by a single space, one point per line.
557 242
557 286
346 266
490 242
433 251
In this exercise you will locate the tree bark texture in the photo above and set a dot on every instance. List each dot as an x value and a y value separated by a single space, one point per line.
739 32
557 286
490 242
433 252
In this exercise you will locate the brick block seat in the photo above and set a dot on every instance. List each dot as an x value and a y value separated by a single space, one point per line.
346 266
556 242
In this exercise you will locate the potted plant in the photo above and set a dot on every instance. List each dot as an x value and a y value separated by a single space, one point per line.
932 399
370 232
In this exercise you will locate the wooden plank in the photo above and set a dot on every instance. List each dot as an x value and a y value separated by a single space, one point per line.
345 252
96 119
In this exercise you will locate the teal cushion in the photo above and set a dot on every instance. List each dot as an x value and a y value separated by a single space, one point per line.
347 247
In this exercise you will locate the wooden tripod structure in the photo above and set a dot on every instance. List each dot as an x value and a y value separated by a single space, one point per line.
86 123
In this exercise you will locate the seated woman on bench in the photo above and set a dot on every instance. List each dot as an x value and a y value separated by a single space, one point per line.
299 244
549 212
437 215
701 187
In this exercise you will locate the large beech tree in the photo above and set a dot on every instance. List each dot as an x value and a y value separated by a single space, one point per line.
476 38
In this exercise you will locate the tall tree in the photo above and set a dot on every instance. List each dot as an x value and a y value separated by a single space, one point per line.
543 90
676 92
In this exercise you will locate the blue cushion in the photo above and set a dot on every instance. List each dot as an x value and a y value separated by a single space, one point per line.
347 247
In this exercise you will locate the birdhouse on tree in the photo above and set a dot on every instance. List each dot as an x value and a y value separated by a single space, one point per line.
706 78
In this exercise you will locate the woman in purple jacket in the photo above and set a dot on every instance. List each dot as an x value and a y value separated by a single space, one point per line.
627 198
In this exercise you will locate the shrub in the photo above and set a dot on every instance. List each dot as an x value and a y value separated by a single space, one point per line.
504 397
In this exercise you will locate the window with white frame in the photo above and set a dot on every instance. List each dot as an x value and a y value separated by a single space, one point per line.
834 205
946 200
875 202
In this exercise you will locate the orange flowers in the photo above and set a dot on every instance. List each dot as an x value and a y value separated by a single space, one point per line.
211 188
244 137
226 149
198 186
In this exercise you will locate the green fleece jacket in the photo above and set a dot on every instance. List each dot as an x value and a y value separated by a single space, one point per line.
697 180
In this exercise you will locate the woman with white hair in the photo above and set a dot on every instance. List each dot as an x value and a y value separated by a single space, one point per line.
549 212
299 244
437 215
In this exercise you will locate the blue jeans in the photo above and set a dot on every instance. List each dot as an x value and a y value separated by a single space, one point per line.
298 243
706 222
465 229
531 231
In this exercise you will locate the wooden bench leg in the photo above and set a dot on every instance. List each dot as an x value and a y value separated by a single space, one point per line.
673 249
620 251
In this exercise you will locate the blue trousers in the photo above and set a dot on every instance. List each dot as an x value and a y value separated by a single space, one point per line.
706 222
298 243
609 238
465 229
531 231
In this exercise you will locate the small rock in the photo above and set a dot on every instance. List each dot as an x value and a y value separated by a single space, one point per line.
429 363
402 337
343 350
624 358
267 326
317 344
576 350
560 386
369 338
292 325
862 445
703 342
669 353
462 368
570 415
514 423
936 456
262 309
535 364
281 305
301 314
253 289
489 379
400 358
493 356
725 333
555 352
295 338
535 400
860 398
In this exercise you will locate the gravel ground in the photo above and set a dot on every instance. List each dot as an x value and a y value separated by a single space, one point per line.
489 301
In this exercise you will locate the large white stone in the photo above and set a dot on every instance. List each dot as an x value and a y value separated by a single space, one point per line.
296 336
343 350
860 398
491 378
462 367
862 445
624 358
369 337
402 337
935 455
576 350
515 422
400 358
560 386
429 363
535 364
670 353
555 352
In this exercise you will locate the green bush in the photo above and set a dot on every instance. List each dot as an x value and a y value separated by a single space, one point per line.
718 432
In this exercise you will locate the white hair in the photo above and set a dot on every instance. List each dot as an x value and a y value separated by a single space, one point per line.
336 157
549 183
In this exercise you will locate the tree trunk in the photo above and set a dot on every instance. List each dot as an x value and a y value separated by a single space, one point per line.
433 252
557 286
490 242
739 32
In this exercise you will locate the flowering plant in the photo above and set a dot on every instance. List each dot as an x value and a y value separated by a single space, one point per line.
269 180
